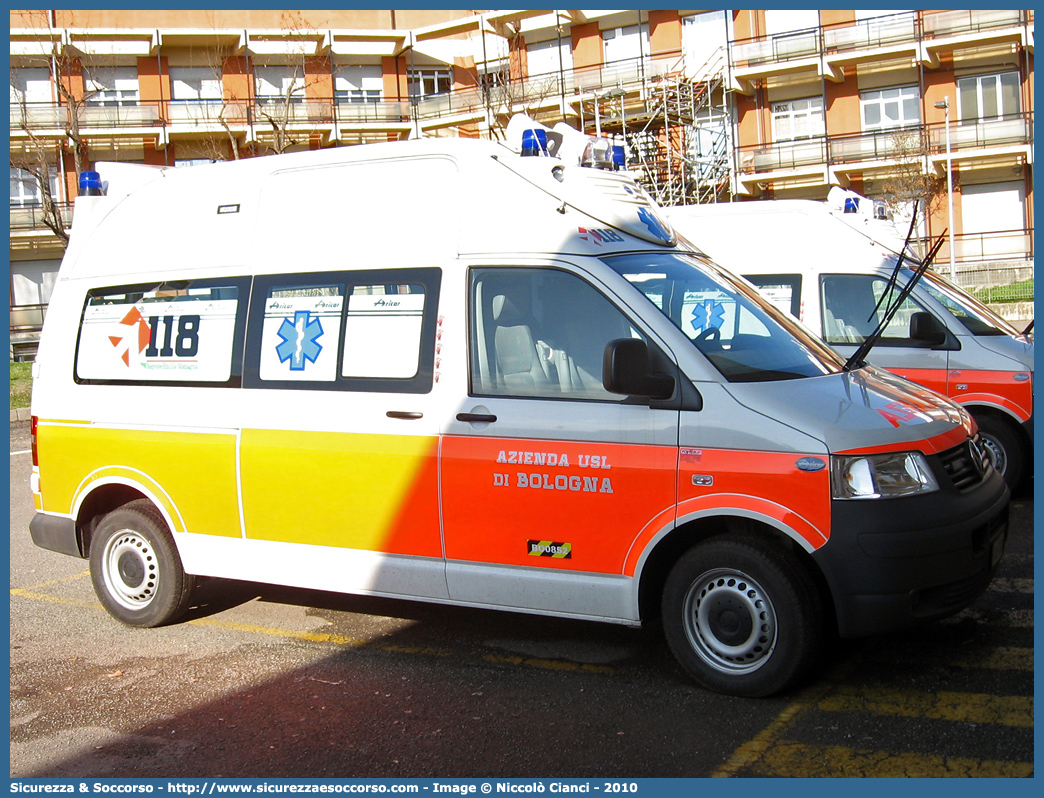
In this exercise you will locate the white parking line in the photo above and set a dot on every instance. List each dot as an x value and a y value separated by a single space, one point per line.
23 451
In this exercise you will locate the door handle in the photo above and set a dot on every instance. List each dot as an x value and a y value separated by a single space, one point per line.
408 415
487 418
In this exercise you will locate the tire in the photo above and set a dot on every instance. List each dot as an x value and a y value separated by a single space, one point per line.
136 569
1005 447
741 616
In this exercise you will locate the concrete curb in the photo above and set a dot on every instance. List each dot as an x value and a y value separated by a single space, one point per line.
19 414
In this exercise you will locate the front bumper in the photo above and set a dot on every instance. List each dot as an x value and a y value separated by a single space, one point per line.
894 563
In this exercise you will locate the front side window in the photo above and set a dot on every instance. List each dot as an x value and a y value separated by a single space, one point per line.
739 332
855 304
358 331
782 290
185 332
974 315
798 119
541 333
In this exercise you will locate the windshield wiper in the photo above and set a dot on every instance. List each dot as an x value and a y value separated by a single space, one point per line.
858 358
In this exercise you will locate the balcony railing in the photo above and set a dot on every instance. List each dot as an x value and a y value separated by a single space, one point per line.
32 217
976 134
27 318
876 145
883 145
783 155
884 31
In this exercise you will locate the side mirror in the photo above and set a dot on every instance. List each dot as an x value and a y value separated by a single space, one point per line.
927 329
626 370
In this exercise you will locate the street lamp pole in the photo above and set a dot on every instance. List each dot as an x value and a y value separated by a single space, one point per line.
945 104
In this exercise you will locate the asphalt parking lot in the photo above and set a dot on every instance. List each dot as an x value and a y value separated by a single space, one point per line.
262 681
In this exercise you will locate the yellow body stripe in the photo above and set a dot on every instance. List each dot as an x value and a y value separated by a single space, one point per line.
360 491
192 474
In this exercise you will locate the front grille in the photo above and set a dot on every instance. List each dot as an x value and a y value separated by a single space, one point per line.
964 465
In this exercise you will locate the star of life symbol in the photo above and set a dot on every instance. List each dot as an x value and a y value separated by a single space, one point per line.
707 314
299 340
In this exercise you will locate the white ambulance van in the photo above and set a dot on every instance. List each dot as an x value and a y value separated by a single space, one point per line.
450 371
830 269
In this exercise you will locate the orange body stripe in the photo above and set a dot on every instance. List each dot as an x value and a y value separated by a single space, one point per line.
500 493
973 386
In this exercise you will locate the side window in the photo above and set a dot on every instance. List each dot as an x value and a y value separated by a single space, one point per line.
188 332
853 307
542 333
782 290
357 331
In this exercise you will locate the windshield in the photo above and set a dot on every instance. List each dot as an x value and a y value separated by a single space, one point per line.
746 338
974 315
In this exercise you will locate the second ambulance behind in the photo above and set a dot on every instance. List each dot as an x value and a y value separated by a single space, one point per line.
834 271
453 372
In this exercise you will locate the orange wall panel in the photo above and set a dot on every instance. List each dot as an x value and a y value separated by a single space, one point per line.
587 45
664 32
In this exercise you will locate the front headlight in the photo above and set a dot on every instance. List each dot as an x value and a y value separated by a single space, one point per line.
881 476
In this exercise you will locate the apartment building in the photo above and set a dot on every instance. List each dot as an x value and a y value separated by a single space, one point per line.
876 101
712 105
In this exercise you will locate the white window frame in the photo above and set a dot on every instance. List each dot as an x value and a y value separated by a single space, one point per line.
799 119
196 85
26 191
882 99
30 85
111 86
358 83
625 43
980 83
278 82
430 81
542 58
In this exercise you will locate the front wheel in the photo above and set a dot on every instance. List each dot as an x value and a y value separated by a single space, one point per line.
741 616
136 569
1005 448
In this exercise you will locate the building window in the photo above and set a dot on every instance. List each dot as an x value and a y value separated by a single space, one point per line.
549 57
25 187
195 84
429 82
111 86
358 83
891 108
989 97
623 44
30 86
798 119
279 83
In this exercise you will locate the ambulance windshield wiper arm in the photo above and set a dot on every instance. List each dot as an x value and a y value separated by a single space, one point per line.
858 358
894 277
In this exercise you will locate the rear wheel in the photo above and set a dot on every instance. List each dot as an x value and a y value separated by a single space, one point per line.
741 616
136 569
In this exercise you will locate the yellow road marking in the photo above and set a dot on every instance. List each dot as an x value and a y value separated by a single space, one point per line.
72 578
1007 710
756 749
797 759
548 664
